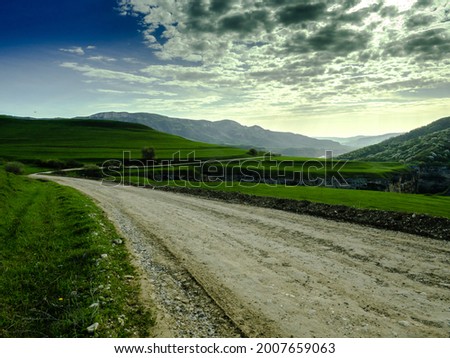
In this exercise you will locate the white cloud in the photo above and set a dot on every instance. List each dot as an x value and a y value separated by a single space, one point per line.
141 93
132 60
74 50
78 50
102 58
103 74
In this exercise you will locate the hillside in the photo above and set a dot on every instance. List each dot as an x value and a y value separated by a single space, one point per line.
227 132
91 141
428 144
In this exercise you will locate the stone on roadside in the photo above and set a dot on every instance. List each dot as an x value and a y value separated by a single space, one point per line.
92 328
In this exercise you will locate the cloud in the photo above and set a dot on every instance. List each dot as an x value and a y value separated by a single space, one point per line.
102 58
78 50
104 74
420 21
280 56
74 50
339 41
248 22
294 14
214 31
433 44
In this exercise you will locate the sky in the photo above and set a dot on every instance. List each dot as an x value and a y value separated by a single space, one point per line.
315 67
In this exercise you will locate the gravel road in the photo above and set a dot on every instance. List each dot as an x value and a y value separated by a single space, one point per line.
215 269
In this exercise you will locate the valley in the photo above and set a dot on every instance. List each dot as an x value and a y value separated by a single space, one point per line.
236 242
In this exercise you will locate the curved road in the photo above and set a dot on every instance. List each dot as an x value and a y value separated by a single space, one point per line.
280 274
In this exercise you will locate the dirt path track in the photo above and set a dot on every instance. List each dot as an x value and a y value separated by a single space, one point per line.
275 273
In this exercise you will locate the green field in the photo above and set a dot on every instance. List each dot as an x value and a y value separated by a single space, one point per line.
54 281
412 203
42 143
317 167
434 205
77 142
94 141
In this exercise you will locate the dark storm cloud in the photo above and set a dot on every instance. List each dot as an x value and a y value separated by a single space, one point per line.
294 14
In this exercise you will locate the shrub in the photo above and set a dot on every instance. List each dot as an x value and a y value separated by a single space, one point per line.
73 164
148 153
55 164
253 152
92 171
15 168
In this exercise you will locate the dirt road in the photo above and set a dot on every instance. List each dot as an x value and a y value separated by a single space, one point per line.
275 273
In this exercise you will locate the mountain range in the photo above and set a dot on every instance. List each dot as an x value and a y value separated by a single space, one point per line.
428 144
228 132
362 141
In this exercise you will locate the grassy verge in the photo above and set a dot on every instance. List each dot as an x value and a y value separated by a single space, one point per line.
63 267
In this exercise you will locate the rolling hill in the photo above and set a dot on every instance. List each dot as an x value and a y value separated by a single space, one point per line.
227 132
429 144
94 141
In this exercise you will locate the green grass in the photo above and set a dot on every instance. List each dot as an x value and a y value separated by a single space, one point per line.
52 240
306 168
87 141
322 167
433 205
412 203
94 141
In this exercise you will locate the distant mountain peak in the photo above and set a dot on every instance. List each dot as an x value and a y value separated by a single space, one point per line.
361 141
230 132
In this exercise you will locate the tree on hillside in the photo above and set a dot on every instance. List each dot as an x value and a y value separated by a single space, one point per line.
148 153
